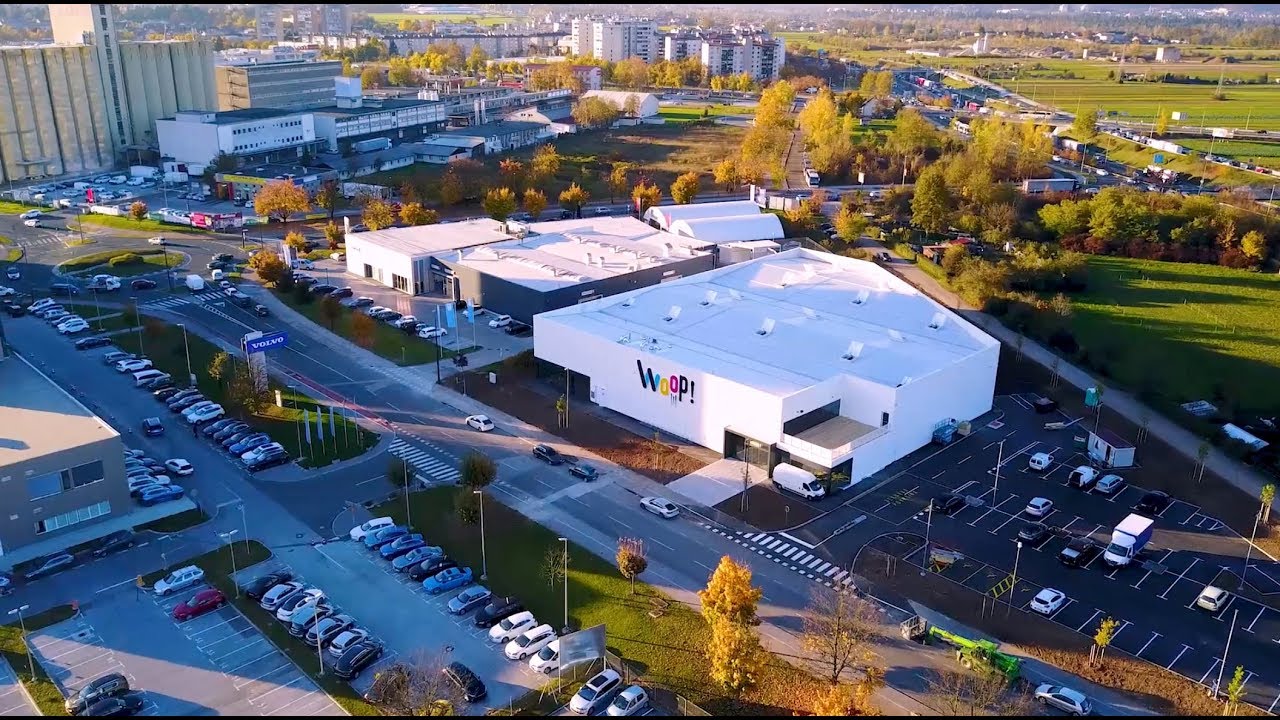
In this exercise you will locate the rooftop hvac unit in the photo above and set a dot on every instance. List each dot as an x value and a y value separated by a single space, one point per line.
861 297
854 351
588 258
709 298
629 302
766 327
895 335
672 314
734 294
666 250
939 319
600 261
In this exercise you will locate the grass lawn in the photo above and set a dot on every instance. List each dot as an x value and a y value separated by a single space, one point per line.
662 152
41 688
148 226
1178 332
147 265
11 253
217 570
687 113
1265 154
395 18
394 344
1259 105
666 651
163 343
9 207
176 522
91 261
1135 155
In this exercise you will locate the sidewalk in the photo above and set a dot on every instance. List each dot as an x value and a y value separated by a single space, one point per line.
1125 404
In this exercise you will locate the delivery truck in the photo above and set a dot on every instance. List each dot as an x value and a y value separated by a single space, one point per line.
1032 186
1128 539
796 480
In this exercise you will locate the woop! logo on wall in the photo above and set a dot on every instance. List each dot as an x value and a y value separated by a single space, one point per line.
677 387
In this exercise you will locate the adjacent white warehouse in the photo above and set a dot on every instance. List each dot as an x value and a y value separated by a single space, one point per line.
663 216
646 103
801 357
735 228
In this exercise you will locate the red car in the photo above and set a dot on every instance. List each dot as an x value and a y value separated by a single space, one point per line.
201 603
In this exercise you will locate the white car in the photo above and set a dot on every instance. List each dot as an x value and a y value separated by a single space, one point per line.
7 291
530 642
205 415
500 321
254 454
375 309
1039 507
197 407
547 660
311 596
431 332
1109 484
133 365
346 639
660 506
41 304
1212 598
179 579
179 467
512 627
1082 477
1064 698
1048 601
73 327
480 422
34 223
53 316
141 481
30 215
157 241
1040 461
632 701
404 321
595 693
360 531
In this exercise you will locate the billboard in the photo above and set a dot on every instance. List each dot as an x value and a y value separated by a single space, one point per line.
264 342
581 646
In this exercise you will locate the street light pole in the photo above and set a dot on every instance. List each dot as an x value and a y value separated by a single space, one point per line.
231 547
565 581
245 523
408 515
996 486
1017 556
1249 550
31 665
191 376
484 562
928 525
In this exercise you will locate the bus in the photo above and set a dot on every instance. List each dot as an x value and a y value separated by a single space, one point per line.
812 176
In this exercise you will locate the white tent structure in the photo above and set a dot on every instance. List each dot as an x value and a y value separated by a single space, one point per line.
663 216
731 228
646 103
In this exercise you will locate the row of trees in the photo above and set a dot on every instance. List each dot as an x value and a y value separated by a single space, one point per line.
766 142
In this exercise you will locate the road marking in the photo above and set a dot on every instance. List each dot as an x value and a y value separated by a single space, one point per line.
1006 522
963 487
122 582
1273 704
1095 614
979 518
1144 577
239 686
1222 613
797 541
326 555
790 552
1214 666
1255 619
211 627
965 460
774 544
1154 635
1163 595
1122 627
1179 657
781 549
1064 607
278 686
620 522
102 654
763 538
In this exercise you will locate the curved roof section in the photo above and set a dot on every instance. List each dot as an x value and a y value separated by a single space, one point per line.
732 228
665 215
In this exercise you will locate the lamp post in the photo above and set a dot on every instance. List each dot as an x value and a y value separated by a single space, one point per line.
1249 550
164 558
928 525
408 515
565 581
191 376
245 524
231 547
484 562
1017 556
293 400
31 667
999 461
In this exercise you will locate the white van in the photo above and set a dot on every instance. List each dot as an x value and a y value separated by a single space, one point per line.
801 482
217 275
149 374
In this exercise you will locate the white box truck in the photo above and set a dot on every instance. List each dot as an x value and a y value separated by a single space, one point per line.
195 283
1127 540
797 481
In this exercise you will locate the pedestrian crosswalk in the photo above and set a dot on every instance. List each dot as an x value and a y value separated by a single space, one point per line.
432 466
790 553
207 296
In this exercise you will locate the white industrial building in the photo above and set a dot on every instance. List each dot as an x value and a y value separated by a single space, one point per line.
802 357
251 135
664 216
734 228
646 103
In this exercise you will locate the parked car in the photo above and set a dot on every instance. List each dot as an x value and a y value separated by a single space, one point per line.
356 658
1039 507
472 688
498 609
92 342
346 639
431 332
429 568
128 704
512 627
205 414
252 454
213 427
178 580
1079 552
400 546
529 642
1040 462
248 443
631 701
234 428
278 456
305 618
548 454
480 422
1109 484
1064 698
586 472
276 596
97 689
115 542
416 556
1212 598
182 402
360 531
179 467
381 537
143 284
161 494
947 504
1033 532
257 587
500 321
133 366
202 602
1082 477
469 599
49 565
297 602
596 693
447 580
1153 503
261 310
661 507
548 658
1048 601
328 628
358 302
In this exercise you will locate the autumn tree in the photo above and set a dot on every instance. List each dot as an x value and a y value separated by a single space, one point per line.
632 73
328 197
685 188
270 267
363 328
1254 245
631 559
281 199
1103 635
735 655
729 594
512 172
544 165
838 629
618 181
330 310
378 214
828 135
220 367
499 203
333 235
296 241
451 189
243 393
553 564
850 224
912 133
645 195
478 470
138 210
595 112
1085 124
931 205
726 174
979 693
631 108
413 214
370 77
417 687
535 201
574 198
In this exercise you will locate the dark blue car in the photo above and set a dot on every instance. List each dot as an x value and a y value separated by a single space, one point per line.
160 494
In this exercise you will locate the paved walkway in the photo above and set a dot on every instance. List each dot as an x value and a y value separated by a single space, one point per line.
1124 403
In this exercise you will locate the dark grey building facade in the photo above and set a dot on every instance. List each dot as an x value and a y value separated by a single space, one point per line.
292 85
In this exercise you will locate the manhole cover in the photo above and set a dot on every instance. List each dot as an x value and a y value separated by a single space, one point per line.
995 424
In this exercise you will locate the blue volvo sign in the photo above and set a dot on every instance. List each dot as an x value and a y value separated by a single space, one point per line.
269 341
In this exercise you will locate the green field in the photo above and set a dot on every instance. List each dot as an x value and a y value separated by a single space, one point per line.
1135 155
686 113
395 18
1264 154
1178 332
148 226
1258 105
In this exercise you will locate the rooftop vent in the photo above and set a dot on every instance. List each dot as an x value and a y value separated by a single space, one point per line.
459 256
854 351
600 261
895 335
588 258
787 278
766 327
709 298
629 302
672 314
666 250
939 319
809 313
861 297
735 295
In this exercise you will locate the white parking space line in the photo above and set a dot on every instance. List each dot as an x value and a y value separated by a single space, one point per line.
1006 522
1214 666
1059 610
100 655
211 627
1163 595
1123 625
291 703
1184 649
1154 635
224 656
1273 704
1144 577
278 686
1223 612
964 487
1261 610
1095 614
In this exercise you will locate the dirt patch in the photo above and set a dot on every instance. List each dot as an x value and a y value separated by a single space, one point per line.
516 394
769 509
1149 685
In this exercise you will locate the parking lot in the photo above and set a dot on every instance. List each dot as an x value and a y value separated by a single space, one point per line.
1153 600
214 664
13 701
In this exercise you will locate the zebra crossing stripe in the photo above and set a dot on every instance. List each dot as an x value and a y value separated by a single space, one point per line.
783 547
747 536
825 565
762 539
840 576
816 562
832 571
773 544
802 557
790 552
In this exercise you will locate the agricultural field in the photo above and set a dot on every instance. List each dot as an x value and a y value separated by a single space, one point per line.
1261 153
395 18
1180 332
1258 105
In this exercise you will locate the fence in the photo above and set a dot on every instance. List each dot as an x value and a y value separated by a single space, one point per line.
666 701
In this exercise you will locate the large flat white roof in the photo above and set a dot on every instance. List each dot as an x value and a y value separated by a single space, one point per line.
424 240
817 310
37 417
563 253
665 215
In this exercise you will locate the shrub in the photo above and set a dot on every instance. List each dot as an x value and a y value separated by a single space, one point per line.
1063 340
125 259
